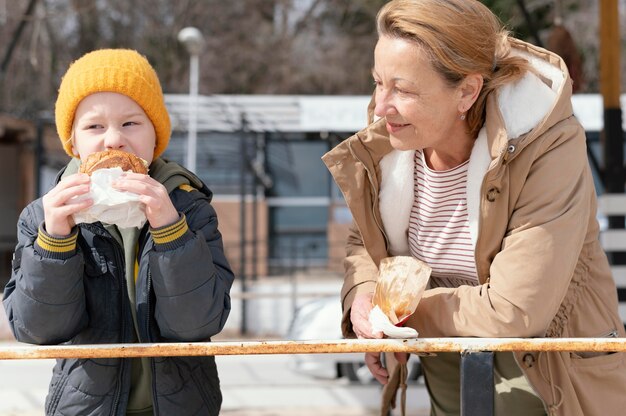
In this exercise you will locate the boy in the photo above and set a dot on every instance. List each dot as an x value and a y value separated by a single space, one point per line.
98 283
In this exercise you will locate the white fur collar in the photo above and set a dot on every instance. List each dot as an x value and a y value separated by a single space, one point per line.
522 104
397 190
525 103
396 198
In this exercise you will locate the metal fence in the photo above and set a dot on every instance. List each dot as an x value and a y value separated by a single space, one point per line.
476 354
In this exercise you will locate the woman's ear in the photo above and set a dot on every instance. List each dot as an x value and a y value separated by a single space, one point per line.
470 89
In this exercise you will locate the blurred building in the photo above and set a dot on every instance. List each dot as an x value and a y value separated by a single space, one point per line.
17 169
261 149
268 149
264 150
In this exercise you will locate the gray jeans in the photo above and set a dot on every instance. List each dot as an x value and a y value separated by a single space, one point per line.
513 396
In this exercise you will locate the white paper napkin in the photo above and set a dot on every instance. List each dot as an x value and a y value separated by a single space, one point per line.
110 205
380 322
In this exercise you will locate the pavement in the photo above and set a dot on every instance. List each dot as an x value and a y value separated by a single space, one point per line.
5 331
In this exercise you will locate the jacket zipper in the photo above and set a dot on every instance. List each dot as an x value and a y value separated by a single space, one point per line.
120 381
610 334
155 406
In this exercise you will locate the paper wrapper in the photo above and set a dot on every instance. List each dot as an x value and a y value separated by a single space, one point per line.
400 286
381 323
110 205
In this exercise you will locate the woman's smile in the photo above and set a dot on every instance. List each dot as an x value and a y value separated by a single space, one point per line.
395 127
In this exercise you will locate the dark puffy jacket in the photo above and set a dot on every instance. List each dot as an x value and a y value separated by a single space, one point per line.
182 295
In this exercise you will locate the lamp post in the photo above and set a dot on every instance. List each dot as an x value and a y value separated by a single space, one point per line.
193 40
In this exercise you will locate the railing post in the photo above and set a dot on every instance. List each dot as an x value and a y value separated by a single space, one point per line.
477 383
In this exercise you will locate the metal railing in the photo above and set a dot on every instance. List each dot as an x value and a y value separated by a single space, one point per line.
476 354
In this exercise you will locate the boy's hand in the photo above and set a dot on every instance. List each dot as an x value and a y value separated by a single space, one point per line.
159 208
59 204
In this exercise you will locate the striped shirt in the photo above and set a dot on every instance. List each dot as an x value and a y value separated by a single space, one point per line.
438 228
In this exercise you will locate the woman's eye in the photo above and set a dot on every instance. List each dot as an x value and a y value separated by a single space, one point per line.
130 123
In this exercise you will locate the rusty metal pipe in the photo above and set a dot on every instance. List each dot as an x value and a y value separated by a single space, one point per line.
417 346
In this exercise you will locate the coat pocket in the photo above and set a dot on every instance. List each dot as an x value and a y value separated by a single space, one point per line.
591 354
599 382
55 391
209 389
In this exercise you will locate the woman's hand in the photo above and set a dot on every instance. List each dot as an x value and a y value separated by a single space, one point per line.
375 365
359 315
60 205
159 208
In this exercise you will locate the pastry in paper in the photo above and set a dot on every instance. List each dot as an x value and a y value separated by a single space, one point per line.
111 206
400 286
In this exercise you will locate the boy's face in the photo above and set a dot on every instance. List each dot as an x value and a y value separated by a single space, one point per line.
108 120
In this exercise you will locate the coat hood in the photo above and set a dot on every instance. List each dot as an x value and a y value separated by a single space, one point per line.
534 103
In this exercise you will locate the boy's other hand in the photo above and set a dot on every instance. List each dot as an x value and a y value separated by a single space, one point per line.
61 203
159 208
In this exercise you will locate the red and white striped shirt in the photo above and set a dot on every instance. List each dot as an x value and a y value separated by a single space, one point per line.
438 228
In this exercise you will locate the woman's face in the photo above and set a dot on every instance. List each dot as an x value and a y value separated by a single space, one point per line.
108 120
421 110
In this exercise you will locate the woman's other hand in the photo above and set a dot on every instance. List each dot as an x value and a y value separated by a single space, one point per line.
375 365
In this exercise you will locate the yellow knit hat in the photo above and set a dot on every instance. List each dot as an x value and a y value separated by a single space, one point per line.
123 71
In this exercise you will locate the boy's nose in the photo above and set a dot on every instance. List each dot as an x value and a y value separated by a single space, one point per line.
113 139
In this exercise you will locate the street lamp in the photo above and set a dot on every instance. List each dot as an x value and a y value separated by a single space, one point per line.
193 40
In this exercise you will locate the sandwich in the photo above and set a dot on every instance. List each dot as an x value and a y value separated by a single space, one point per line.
114 159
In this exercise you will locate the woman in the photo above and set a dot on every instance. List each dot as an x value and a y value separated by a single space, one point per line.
477 166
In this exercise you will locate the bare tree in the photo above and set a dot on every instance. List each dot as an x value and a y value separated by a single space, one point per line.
253 46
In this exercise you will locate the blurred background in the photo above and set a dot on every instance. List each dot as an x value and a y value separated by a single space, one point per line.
266 86
258 91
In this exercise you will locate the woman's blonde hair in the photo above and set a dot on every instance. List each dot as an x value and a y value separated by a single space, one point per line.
461 37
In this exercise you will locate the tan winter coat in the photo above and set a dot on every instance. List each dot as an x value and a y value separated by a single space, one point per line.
532 213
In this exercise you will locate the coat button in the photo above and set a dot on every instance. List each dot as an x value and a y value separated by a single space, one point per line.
511 148
529 360
492 193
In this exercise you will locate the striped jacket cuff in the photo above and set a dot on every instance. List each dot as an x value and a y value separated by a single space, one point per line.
172 236
56 247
